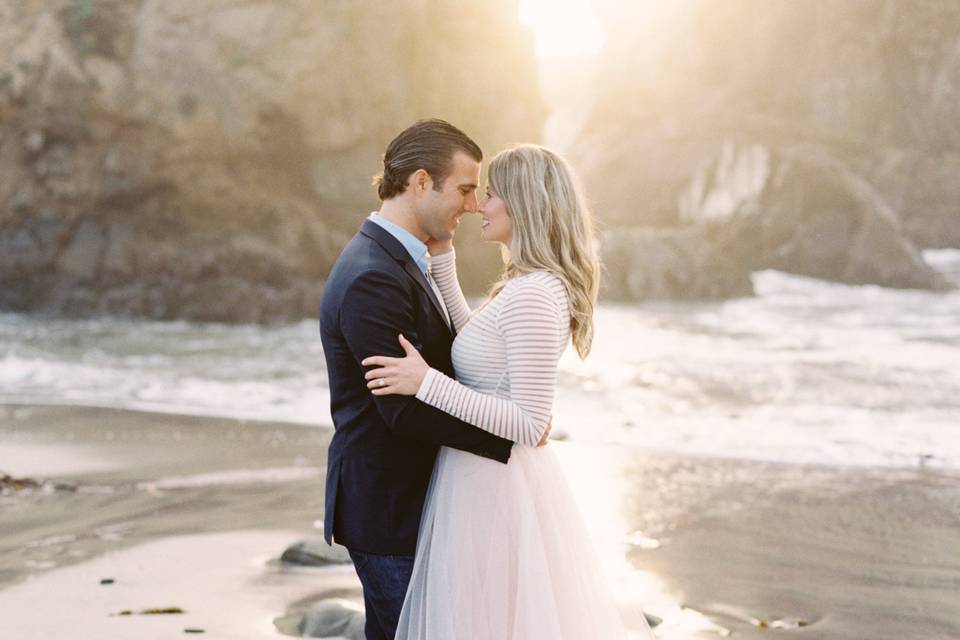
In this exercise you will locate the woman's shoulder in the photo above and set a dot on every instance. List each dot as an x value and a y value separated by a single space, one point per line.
538 279
536 285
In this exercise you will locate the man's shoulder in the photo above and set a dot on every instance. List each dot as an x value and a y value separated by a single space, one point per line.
360 258
369 276
361 255
376 276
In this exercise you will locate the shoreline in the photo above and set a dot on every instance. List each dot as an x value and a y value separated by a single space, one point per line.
140 476
924 462
707 544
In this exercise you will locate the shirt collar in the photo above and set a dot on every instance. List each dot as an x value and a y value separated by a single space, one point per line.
413 245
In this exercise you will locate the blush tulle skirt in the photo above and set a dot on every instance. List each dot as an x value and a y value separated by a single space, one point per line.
503 554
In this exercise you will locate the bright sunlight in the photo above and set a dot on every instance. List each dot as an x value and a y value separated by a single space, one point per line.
564 28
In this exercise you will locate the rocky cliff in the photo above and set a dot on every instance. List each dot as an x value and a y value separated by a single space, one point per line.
816 137
207 159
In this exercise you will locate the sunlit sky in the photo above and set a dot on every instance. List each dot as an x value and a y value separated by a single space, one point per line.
564 28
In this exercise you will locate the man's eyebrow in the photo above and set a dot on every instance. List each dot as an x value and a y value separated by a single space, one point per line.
472 185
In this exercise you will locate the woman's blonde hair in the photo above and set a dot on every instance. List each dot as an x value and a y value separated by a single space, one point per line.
552 229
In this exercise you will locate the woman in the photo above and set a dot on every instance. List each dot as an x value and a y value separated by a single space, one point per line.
502 552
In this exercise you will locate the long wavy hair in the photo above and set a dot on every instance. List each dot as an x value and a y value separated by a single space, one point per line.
552 230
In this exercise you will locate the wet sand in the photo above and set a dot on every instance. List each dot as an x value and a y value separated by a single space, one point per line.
857 553
194 512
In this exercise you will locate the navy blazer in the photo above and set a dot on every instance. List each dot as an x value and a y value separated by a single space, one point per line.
383 447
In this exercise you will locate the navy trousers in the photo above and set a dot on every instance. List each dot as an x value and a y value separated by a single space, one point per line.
384 580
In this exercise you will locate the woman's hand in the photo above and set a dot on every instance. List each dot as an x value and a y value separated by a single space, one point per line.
436 247
396 376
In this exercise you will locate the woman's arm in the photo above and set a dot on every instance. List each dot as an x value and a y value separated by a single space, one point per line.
443 268
535 334
374 308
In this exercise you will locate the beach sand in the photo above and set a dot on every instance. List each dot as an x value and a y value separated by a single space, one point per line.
857 553
194 512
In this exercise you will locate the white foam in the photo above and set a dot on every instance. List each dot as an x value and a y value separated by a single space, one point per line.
806 371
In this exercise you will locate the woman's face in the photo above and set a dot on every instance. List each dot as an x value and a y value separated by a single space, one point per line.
495 224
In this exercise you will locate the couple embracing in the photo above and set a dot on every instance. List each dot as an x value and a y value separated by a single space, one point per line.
458 520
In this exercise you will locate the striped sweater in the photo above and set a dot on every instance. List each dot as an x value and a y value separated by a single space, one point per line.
505 355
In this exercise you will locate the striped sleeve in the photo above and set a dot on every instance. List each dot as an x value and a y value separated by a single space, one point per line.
443 268
534 334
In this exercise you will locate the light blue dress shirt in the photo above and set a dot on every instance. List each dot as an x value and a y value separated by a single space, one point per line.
410 242
417 251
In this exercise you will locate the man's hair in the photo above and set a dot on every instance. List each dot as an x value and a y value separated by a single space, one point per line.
426 144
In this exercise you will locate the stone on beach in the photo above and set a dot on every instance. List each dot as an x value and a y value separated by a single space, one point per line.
333 618
9 484
315 553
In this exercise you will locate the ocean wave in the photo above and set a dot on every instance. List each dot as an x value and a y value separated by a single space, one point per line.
805 371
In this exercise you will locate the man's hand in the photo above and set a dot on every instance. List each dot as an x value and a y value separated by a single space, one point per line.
546 434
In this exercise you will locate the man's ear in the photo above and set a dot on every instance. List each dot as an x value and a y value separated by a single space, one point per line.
420 181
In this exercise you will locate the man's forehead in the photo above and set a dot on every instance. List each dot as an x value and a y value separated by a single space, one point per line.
466 170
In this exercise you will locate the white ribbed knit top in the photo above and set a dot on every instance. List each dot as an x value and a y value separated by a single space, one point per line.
505 355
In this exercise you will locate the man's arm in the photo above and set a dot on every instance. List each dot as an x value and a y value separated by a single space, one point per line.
374 311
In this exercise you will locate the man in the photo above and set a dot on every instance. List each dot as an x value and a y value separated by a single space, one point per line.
383 449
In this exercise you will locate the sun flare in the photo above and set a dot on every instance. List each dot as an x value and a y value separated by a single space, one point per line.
563 28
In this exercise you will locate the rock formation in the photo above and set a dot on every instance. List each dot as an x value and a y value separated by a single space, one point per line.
207 159
815 137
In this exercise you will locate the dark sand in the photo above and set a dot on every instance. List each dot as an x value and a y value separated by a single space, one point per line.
121 456
859 553
856 553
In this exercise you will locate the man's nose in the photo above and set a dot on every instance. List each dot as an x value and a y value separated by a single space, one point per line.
470 203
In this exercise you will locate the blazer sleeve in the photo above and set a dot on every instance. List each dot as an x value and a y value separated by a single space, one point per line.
375 309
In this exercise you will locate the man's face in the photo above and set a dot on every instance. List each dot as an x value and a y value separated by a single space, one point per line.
439 212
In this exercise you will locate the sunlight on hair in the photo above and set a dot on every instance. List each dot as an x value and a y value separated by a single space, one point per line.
564 28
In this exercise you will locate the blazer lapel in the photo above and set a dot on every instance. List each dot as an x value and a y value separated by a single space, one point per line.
393 246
